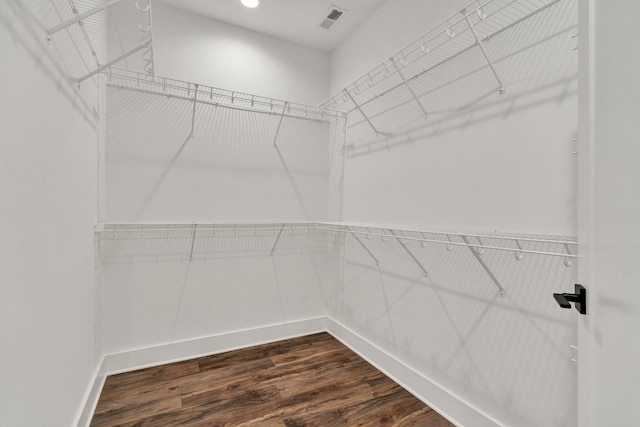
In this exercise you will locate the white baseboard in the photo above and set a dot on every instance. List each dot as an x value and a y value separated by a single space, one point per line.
457 411
92 396
185 350
191 349
446 403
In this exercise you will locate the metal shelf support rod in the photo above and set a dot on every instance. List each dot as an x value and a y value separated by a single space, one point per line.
277 238
193 113
411 91
275 138
413 257
357 239
485 266
193 243
362 112
484 52
81 17
115 61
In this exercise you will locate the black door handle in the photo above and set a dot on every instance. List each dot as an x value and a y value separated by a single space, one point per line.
562 300
579 298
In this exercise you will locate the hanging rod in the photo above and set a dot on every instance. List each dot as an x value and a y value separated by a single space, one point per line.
176 89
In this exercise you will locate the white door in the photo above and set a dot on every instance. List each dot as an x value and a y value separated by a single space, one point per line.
609 336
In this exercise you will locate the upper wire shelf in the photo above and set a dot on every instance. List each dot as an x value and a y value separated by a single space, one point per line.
202 226
112 32
192 92
418 75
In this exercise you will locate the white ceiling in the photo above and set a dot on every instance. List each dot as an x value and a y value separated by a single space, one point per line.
294 20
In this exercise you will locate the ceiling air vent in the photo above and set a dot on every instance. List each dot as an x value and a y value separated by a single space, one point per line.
333 15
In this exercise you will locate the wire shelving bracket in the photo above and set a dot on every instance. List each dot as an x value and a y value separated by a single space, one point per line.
411 90
193 241
484 266
80 17
400 238
193 111
284 110
273 249
357 239
361 112
480 45
114 31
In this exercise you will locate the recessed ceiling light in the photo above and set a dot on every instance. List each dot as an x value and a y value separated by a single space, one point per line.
250 3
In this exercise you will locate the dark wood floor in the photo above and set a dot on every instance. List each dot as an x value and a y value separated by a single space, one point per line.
308 381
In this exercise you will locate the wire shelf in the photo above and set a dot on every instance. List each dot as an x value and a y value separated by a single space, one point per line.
444 70
564 247
406 238
247 227
477 244
112 32
518 243
147 83
206 241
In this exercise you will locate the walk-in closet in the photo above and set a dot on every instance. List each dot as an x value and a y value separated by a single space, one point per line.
319 213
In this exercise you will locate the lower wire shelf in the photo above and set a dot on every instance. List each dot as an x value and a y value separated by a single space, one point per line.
269 238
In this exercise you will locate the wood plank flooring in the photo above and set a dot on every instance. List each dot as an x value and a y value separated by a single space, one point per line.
303 382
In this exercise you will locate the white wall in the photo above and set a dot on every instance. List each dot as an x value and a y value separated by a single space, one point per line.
504 163
157 290
199 50
229 171
48 209
393 26
167 287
